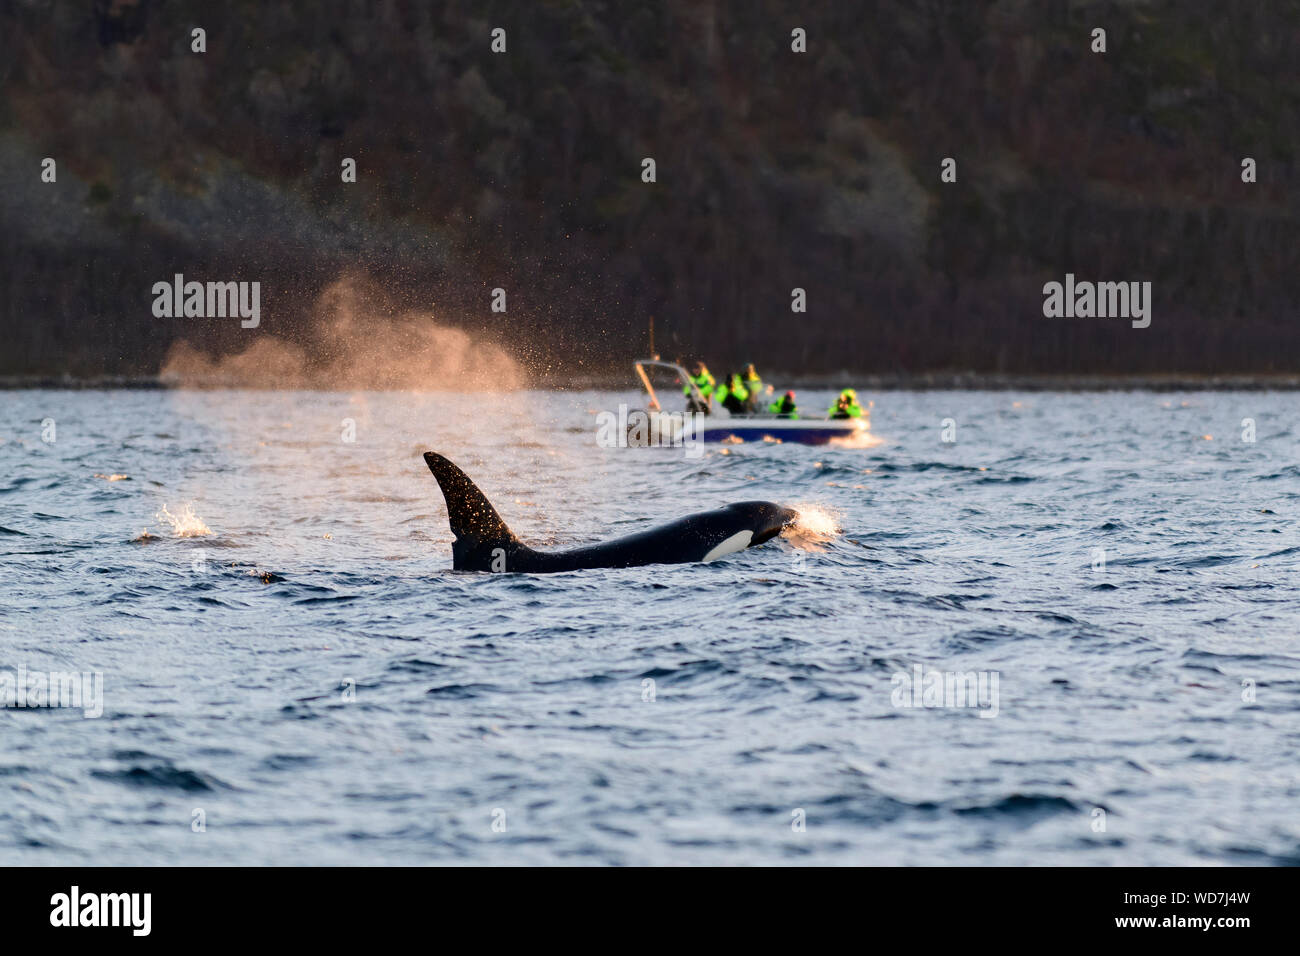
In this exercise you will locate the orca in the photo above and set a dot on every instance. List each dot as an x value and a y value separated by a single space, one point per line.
484 543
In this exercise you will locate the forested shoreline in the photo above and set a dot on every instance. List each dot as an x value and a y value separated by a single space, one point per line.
775 171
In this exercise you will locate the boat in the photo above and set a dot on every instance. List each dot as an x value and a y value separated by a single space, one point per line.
721 426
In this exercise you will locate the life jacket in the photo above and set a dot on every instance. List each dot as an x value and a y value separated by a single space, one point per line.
731 395
704 382
783 407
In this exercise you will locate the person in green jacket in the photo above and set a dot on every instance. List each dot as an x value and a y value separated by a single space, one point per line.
732 395
705 383
784 406
846 406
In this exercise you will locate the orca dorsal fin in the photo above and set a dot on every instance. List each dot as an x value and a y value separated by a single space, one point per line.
475 523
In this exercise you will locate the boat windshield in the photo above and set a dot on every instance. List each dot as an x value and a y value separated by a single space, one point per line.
664 380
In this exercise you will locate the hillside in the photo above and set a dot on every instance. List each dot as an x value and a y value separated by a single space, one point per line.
522 170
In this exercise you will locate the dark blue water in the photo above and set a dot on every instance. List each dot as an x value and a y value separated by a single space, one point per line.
311 677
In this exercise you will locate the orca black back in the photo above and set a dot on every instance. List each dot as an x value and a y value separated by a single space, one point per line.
485 543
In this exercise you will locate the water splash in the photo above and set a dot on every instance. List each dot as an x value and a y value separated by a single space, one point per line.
186 524
814 526
862 439
357 338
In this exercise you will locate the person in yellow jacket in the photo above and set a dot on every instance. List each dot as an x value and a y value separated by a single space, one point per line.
846 406
753 385
705 383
